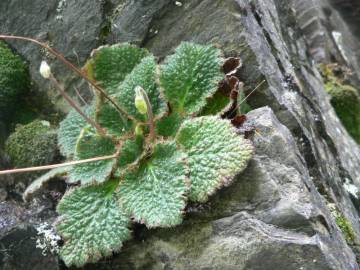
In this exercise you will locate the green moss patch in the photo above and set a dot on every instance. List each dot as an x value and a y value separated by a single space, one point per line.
345 228
33 144
344 98
14 79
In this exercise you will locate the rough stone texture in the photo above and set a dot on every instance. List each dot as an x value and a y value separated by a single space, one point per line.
131 20
18 236
6 181
272 217
276 214
72 27
320 20
350 11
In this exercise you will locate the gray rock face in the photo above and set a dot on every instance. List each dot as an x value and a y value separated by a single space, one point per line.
5 180
72 27
328 37
286 210
350 11
131 20
19 234
272 217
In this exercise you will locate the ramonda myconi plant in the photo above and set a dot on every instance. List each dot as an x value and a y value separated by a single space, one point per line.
162 151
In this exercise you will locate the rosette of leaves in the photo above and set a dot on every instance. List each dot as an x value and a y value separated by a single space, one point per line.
153 173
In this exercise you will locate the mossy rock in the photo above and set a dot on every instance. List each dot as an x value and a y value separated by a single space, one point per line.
346 102
344 98
14 79
346 228
33 144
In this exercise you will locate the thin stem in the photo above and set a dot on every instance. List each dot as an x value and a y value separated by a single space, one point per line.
251 92
80 97
53 166
75 106
72 67
149 114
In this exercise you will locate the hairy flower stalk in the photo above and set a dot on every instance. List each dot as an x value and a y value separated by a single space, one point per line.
45 71
53 166
76 107
245 98
72 67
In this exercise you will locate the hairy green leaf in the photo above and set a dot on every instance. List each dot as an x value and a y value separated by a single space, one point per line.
110 64
190 76
155 192
92 224
152 177
130 151
70 129
144 75
38 183
216 153
169 125
216 104
91 145
110 119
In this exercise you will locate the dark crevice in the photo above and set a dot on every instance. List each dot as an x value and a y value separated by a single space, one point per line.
267 36
158 15
321 179
311 157
308 154
107 9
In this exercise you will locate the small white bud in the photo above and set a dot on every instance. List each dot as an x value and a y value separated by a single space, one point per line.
140 102
45 70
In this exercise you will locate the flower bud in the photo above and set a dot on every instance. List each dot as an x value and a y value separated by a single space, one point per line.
45 70
139 130
140 102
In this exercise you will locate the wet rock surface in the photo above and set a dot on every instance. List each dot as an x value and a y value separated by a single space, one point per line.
277 214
